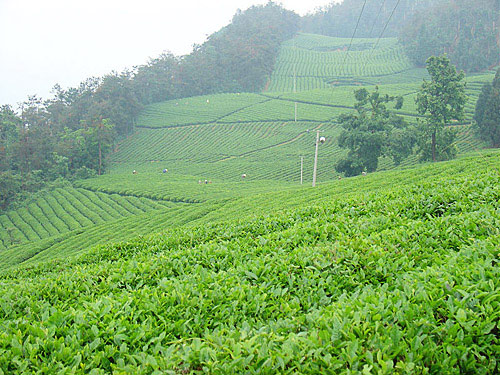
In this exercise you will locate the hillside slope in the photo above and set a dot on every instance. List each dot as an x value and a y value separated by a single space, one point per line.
224 136
240 200
369 276
219 138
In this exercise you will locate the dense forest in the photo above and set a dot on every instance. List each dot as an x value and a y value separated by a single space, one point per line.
487 115
468 31
341 19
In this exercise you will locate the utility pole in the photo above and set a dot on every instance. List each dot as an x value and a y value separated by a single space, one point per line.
318 141
295 80
316 159
301 170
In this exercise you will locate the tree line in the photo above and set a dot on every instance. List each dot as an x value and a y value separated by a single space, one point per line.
340 19
70 134
467 31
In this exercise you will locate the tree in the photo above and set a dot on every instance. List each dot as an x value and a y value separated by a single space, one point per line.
9 135
157 81
103 136
241 56
468 31
487 114
440 100
10 186
373 132
87 147
339 19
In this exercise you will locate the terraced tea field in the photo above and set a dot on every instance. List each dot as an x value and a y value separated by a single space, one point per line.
223 152
233 200
218 138
221 137
67 209
322 62
394 272
199 270
202 109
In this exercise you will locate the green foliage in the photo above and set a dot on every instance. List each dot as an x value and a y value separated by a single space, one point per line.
400 280
372 132
155 82
445 148
86 147
440 100
229 201
339 19
9 188
239 57
9 135
487 115
321 62
467 31
59 210
111 97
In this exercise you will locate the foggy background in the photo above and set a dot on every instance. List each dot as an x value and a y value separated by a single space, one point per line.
65 42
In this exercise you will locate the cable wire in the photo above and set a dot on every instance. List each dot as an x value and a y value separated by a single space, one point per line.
352 38
381 35
387 24
376 19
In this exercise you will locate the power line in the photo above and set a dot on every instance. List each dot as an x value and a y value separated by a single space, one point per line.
386 24
341 72
381 34
376 19
352 38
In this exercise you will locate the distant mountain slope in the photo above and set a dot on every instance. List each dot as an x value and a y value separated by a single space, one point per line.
320 62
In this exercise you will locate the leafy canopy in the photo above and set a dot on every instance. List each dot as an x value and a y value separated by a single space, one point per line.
487 115
373 131
441 100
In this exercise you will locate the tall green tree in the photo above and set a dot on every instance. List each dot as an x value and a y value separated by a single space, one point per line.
373 131
487 114
10 124
440 100
103 136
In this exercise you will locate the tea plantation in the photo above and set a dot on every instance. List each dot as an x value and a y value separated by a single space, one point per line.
368 277
213 258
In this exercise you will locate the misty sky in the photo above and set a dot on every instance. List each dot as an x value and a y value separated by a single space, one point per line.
44 42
